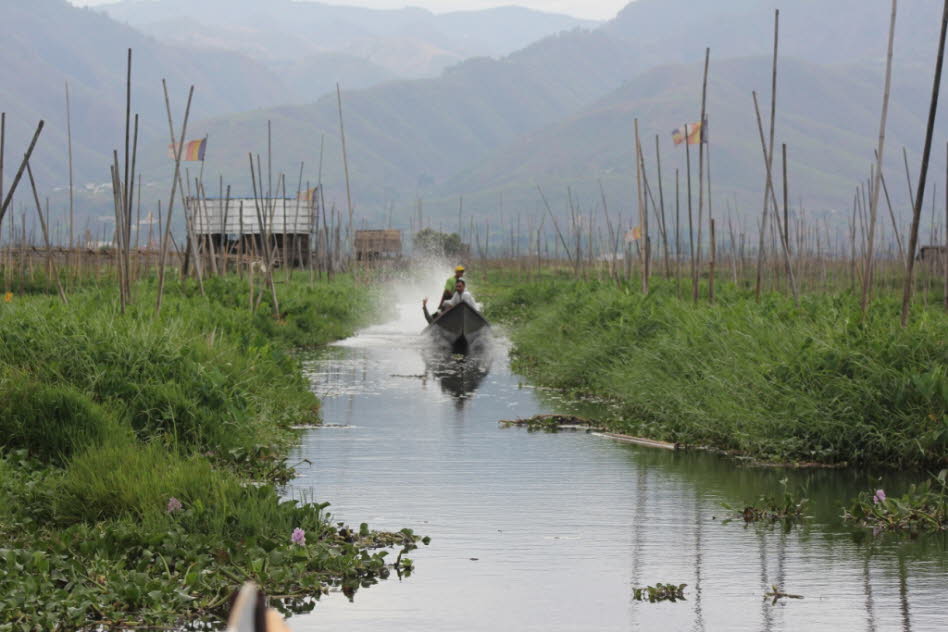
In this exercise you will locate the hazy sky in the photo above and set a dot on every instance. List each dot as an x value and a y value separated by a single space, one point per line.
590 9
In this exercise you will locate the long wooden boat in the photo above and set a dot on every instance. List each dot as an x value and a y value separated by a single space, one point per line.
460 327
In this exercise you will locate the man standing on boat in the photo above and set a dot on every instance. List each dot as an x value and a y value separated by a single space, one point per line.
449 285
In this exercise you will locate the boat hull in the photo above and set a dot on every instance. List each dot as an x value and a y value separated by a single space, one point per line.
461 326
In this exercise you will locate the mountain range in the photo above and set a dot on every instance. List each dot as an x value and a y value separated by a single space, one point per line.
297 39
558 112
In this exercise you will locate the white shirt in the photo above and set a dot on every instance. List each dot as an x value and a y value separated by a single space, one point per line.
459 297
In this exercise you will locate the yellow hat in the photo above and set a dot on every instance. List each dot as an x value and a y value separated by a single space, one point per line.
459 269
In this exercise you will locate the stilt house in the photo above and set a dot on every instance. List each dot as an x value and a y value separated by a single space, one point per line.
238 225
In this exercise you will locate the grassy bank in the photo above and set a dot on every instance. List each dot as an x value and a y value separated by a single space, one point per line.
770 380
140 455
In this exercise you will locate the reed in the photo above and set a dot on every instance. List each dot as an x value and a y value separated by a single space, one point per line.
771 380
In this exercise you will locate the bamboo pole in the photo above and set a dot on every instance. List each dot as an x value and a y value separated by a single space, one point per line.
51 266
69 157
661 201
174 187
119 227
874 203
268 273
556 226
345 164
701 134
888 202
917 210
19 173
130 186
786 231
677 237
126 192
691 228
711 262
3 142
769 155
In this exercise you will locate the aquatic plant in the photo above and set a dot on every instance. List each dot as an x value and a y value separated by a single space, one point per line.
298 537
660 592
924 507
789 506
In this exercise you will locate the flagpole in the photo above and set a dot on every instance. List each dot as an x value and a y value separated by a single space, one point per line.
704 92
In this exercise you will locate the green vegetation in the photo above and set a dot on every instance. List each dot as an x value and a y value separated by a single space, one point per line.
431 243
770 380
140 456
924 507
789 507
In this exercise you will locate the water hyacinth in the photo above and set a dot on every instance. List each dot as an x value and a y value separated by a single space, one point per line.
879 496
174 505
298 537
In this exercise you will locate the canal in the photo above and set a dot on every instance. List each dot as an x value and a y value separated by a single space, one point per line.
552 531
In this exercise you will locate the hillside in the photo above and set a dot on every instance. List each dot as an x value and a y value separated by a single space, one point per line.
827 116
49 42
408 136
552 114
559 112
407 43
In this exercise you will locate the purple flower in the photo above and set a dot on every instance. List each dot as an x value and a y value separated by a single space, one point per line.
174 505
298 537
879 497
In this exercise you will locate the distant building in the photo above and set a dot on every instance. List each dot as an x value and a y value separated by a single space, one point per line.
372 245
235 224
931 252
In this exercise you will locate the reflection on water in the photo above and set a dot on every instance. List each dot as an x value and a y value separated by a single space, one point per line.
459 375
551 531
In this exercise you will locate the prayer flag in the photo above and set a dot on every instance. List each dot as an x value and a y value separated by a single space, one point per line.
695 132
634 234
193 151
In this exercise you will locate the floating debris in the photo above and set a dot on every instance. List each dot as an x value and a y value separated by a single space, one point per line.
776 594
552 423
660 592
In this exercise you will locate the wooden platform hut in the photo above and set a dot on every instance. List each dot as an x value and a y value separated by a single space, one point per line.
234 225
373 245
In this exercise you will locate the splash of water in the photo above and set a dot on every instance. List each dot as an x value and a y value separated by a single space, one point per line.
402 296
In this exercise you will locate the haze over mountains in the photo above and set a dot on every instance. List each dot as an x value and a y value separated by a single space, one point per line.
557 112
295 35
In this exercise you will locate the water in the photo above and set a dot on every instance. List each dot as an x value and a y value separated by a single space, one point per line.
551 531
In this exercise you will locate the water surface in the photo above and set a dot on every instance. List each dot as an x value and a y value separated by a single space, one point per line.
551 531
